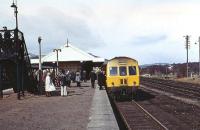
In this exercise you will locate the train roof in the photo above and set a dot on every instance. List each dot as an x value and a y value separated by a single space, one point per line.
119 57
122 57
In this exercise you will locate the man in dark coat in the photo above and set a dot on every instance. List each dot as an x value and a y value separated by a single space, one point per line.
93 77
68 78
101 80
84 76
1 44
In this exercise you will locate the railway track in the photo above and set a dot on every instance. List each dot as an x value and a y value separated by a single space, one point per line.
188 86
169 113
186 90
137 117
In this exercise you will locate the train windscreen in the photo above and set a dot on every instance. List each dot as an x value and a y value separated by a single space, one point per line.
122 70
132 70
113 71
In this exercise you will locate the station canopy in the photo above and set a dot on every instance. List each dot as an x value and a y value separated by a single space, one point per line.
70 53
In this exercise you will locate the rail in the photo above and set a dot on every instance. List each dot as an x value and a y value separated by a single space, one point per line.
152 117
134 105
173 87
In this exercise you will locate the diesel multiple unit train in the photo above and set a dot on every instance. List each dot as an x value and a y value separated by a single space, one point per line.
122 76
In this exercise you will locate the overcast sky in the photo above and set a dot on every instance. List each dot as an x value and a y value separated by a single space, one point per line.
150 31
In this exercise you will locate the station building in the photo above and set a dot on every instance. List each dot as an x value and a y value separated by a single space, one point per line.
70 58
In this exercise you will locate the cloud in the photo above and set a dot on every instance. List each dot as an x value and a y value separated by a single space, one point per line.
149 39
150 31
55 27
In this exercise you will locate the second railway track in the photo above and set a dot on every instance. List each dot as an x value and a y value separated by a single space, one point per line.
173 87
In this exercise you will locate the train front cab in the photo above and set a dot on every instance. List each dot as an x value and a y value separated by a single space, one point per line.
122 79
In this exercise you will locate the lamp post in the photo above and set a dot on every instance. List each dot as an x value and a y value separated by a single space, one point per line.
14 5
57 50
19 76
39 41
199 55
40 67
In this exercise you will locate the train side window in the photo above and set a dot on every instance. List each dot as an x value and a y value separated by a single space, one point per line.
122 70
132 70
113 71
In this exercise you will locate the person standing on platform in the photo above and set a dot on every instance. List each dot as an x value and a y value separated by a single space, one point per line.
49 86
44 74
73 76
63 84
101 80
1 44
78 78
57 81
84 76
68 78
93 77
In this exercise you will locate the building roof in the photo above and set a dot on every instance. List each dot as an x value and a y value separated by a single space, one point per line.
34 61
69 53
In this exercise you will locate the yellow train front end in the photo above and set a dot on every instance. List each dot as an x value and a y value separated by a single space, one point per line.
122 76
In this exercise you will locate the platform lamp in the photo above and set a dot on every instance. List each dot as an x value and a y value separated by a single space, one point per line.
199 54
14 5
57 50
40 66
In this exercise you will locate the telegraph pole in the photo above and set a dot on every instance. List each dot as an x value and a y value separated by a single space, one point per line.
199 54
187 48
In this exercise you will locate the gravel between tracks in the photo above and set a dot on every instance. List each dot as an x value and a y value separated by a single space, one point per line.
173 113
47 113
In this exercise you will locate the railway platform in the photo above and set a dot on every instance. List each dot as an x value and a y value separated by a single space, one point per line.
84 108
101 113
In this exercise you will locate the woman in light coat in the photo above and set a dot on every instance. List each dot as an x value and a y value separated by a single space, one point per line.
78 78
49 86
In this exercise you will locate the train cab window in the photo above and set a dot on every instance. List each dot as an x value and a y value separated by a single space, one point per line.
113 71
132 70
122 70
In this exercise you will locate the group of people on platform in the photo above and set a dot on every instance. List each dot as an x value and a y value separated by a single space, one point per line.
100 77
63 80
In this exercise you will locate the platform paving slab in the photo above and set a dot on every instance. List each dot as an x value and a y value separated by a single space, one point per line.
48 113
101 113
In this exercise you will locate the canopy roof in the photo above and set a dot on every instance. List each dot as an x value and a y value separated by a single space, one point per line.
70 53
